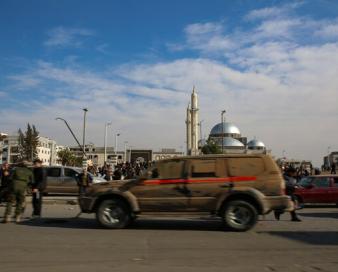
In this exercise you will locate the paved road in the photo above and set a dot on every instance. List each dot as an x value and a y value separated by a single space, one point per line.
59 242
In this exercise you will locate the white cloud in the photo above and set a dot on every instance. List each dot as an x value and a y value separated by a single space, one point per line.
274 85
67 37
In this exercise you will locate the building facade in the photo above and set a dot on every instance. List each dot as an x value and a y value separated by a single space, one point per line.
46 150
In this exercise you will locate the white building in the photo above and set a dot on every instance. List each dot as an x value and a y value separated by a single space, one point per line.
46 150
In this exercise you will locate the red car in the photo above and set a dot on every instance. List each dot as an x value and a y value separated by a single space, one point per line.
318 189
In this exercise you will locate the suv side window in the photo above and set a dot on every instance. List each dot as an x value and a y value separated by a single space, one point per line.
54 172
168 170
322 182
245 166
203 168
70 173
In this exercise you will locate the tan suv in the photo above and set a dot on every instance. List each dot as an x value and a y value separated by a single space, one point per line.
235 188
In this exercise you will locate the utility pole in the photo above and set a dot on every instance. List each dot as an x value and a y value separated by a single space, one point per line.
222 117
116 135
85 110
105 140
125 151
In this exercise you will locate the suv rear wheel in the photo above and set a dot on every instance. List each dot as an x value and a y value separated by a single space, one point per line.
239 215
113 214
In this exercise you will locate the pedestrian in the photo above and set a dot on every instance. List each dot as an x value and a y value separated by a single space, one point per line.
109 175
5 182
21 177
38 187
84 181
290 186
333 168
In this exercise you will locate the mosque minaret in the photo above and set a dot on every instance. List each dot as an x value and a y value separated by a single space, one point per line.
192 125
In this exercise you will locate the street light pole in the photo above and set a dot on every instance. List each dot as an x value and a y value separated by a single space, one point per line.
116 135
84 129
222 117
125 151
105 140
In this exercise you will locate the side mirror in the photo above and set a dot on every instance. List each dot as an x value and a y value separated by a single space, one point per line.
310 186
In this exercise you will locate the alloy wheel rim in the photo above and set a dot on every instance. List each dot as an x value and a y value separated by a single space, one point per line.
239 215
112 215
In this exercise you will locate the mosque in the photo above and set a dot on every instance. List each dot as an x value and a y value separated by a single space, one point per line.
225 135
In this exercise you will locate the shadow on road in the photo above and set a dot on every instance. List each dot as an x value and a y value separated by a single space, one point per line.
321 215
142 224
324 238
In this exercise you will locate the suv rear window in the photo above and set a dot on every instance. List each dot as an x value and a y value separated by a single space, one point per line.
245 166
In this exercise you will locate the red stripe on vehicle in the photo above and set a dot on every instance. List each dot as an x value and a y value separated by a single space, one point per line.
208 180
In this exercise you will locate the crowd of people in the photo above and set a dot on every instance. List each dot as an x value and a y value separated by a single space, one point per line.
120 171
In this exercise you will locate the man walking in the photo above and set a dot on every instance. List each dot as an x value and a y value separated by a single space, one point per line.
20 177
38 187
290 186
333 168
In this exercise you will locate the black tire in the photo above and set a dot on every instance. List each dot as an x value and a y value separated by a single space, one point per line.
239 215
113 214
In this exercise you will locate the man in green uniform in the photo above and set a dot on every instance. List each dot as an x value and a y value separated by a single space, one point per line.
21 177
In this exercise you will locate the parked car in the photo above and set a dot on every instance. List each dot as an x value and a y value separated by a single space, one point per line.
63 180
318 189
235 188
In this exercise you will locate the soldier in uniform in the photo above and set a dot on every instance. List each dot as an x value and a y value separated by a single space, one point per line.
84 181
21 177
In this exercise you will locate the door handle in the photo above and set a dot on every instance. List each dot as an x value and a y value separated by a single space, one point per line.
226 186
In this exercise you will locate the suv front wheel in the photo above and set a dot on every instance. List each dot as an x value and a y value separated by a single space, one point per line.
239 215
113 214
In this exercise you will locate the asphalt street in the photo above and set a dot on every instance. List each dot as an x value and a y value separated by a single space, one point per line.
61 242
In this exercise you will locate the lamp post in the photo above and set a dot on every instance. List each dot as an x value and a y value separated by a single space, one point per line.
222 121
105 140
125 151
116 135
85 110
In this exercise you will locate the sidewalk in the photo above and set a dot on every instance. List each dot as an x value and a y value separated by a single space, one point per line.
51 200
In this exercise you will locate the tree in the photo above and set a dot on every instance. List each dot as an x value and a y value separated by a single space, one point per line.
28 143
68 158
211 148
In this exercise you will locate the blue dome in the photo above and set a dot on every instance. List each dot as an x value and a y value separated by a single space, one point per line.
228 128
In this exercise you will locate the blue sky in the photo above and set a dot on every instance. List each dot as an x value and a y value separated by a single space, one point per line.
271 64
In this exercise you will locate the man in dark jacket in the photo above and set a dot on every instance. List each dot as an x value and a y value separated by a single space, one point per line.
38 187
5 182
290 186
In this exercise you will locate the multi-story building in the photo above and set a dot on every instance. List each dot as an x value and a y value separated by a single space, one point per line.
46 150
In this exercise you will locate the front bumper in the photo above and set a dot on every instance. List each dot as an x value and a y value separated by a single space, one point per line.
277 203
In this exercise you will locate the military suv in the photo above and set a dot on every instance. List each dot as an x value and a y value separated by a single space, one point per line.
235 188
